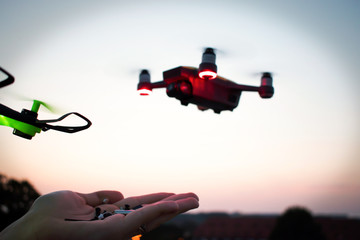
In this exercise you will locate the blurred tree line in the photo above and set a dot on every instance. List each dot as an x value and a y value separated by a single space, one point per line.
16 198
297 223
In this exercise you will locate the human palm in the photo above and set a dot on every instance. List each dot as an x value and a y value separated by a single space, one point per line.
70 215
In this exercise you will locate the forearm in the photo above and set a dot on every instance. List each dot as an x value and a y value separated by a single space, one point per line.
20 229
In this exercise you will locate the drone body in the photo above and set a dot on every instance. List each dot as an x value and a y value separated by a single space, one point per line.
203 87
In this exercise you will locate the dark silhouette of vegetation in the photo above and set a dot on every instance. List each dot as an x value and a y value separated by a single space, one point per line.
164 232
296 223
16 198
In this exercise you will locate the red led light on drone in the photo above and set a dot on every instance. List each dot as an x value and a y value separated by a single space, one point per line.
207 74
144 92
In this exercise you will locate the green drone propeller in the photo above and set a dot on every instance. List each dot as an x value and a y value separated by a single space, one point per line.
26 124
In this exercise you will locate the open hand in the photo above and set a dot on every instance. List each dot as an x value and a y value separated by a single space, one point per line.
70 215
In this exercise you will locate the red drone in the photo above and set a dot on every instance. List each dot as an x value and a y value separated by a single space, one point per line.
202 86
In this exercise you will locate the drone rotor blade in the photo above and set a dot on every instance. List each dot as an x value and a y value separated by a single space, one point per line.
217 51
260 73
36 103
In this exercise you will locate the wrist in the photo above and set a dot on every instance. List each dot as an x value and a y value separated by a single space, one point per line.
22 228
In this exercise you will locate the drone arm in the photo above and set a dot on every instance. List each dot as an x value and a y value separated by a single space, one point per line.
67 129
160 84
18 121
246 88
264 91
20 126
9 80
29 125
10 113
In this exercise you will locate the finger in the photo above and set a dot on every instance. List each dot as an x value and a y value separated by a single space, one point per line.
151 216
184 205
181 196
148 213
144 199
187 204
96 198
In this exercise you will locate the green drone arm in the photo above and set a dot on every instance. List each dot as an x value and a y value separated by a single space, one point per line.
26 124
20 126
18 121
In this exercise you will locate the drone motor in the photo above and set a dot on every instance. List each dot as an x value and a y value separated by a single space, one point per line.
266 89
207 67
144 86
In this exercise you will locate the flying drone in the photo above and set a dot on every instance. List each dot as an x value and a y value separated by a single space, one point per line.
202 86
26 124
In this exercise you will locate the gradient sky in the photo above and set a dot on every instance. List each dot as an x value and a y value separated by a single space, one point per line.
299 148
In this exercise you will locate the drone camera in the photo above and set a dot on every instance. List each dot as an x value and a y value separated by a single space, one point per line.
144 86
207 67
180 90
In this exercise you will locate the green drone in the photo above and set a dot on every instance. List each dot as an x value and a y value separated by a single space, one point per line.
26 124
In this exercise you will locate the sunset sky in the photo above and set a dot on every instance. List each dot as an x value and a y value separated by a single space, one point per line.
300 147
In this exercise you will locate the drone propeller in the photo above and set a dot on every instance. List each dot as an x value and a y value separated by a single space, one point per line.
217 51
261 73
36 103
